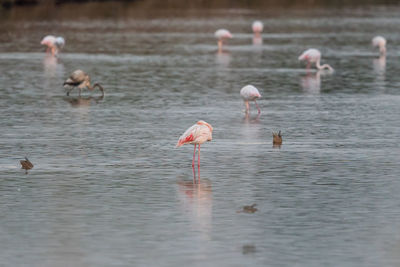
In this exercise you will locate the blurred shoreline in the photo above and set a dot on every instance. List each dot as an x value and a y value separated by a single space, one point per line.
205 4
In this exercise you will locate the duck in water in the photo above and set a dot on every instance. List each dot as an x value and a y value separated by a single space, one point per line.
26 164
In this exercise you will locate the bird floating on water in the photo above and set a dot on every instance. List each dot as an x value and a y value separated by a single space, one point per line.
313 56
257 27
54 44
222 35
196 135
250 93
248 209
379 41
81 80
277 139
26 164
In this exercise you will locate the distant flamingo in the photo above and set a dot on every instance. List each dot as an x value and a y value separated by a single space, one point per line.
250 93
81 80
380 42
54 44
313 56
257 27
222 35
197 134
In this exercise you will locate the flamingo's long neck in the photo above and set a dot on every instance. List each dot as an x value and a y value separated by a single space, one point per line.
325 66
100 88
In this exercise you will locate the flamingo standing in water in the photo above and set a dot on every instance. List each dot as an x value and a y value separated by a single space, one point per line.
222 35
257 27
54 44
313 56
196 135
379 41
250 93
81 80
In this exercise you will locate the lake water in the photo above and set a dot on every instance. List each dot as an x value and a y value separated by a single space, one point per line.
109 188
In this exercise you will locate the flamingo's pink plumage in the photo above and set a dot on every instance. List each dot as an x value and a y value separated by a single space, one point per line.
197 134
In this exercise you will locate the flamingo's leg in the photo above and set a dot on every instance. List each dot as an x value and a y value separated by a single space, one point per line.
70 90
198 163
194 154
247 106
308 65
219 46
258 108
194 175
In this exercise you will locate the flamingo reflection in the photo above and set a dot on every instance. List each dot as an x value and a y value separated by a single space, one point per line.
311 83
197 203
380 64
83 101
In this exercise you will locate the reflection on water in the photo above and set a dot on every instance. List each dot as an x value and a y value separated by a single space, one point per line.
196 202
257 40
223 59
311 82
255 118
81 101
379 65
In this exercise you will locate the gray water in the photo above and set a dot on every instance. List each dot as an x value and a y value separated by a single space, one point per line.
109 188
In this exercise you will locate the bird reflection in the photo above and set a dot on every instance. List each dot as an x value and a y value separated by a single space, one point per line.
223 59
83 101
311 83
257 40
380 65
52 67
252 119
197 203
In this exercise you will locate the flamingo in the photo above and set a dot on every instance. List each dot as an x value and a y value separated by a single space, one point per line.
250 93
197 134
221 35
313 56
257 27
54 44
81 80
379 41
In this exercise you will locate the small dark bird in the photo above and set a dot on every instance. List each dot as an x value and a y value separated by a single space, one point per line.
81 80
247 249
26 164
248 209
277 138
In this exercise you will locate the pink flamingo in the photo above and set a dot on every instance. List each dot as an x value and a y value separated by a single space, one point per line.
313 56
222 35
380 42
250 93
197 134
54 44
257 27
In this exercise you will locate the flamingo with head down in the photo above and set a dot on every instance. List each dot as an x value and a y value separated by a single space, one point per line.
81 80
54 44
379 41
197 134
257 27
250 93
314 56
222 35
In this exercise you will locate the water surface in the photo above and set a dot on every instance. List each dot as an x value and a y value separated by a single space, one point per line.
110 189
